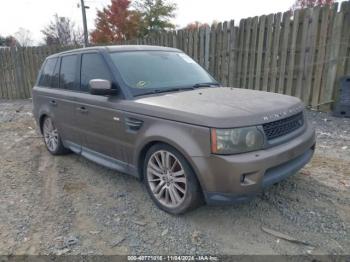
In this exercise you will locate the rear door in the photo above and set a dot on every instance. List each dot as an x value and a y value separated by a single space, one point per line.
67 77
54 96
101 125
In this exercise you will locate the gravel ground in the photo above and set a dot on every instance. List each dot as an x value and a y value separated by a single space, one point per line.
68 205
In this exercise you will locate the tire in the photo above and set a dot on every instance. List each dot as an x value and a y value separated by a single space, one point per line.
173 187
52 138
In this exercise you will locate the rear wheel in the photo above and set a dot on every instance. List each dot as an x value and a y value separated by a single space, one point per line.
170 180
52 138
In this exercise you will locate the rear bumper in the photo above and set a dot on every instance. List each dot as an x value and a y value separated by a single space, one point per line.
237 178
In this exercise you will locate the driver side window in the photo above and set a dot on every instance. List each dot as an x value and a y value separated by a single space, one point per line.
93 67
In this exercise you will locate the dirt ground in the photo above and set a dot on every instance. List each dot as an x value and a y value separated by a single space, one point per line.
69 205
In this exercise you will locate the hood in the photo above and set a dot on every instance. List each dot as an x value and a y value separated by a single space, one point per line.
221 107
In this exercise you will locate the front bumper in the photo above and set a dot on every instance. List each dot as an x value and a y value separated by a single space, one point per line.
236 178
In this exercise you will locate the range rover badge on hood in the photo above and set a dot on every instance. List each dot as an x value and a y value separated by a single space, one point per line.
277 116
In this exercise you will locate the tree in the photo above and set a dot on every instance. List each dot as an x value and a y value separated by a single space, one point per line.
116 22
310 3
2 40
24 37
195 25
156 15
8 41
62 31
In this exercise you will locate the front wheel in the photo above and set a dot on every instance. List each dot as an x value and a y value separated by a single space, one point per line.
170 180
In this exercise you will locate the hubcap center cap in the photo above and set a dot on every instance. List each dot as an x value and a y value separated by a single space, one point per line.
168 178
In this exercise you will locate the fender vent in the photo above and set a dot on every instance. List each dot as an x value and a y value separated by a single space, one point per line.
133 124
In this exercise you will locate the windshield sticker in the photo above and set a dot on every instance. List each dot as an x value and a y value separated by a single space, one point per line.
186 58
141 84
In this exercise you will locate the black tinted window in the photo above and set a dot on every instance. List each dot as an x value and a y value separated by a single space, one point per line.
68 72
93 67
56 75
47 73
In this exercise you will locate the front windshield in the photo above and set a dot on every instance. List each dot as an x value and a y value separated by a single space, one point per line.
144 71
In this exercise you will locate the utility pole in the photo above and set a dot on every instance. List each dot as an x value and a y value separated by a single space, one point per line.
86 37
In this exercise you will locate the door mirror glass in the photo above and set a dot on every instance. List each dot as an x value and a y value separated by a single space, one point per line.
101 87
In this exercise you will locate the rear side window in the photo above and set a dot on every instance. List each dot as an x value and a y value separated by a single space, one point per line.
93 67
56 75
68 72
46 77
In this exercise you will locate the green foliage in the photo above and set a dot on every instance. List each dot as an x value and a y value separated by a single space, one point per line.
156 15
2 40
8 41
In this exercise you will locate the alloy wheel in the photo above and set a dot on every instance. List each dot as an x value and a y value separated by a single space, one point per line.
167 178
50 135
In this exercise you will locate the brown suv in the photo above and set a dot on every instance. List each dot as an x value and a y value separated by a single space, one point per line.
154 113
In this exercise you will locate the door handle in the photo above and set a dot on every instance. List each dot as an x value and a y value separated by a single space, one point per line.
53 103
82 109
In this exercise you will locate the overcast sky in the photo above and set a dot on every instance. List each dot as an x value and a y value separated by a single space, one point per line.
34 15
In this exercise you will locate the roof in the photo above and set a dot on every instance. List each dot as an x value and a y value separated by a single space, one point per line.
120 48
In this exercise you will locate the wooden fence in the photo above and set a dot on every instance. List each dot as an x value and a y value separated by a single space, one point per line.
303 54
19 69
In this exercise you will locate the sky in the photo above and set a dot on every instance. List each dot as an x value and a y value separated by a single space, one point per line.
34 15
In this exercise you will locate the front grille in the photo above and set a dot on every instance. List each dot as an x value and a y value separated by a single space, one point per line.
284 126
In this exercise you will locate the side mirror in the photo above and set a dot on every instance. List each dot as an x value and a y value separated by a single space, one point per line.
101 87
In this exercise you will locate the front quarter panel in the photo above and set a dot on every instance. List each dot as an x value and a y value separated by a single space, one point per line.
190 140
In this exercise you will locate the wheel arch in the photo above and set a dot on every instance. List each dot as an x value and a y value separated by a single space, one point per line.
41 121
147 145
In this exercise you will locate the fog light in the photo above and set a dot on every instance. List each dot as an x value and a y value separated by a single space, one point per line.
249 179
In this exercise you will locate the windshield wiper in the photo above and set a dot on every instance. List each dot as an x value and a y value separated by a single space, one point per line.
157 91
208 84
172 89
175 89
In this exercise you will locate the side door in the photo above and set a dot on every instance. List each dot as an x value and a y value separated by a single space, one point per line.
99 122
67 77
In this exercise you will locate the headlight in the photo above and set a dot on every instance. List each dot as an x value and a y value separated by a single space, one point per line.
237 140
